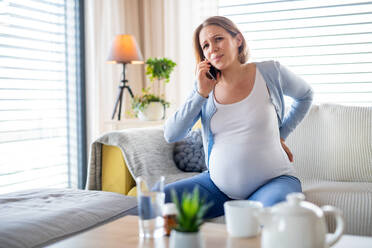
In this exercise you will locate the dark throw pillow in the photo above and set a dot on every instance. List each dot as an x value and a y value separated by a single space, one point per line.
189 153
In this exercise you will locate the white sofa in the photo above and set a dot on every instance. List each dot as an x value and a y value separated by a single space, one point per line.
332 150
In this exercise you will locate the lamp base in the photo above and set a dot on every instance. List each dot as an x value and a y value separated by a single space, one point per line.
123 85
119 98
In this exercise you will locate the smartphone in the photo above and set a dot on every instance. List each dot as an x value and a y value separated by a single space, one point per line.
212 73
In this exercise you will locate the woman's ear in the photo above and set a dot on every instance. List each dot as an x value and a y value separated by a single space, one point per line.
239 39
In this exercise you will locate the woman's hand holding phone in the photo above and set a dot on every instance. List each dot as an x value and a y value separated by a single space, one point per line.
205 84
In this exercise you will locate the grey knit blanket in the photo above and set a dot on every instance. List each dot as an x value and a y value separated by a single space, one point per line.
145 152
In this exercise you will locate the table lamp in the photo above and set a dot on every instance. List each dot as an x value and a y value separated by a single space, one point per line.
124 50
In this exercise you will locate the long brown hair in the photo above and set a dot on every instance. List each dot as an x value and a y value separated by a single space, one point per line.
226 24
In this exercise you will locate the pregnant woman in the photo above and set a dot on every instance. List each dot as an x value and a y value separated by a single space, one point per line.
244 125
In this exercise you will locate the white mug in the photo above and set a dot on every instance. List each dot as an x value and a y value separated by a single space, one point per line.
241 218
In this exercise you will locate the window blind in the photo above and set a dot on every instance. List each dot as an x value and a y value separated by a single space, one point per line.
328 43
39 87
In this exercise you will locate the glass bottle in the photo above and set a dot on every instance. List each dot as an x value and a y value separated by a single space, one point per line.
170 217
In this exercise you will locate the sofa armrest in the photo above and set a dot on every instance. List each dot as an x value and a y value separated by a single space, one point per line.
118 157
115 174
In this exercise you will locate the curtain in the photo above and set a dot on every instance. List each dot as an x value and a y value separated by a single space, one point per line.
162 28
104 19
181 19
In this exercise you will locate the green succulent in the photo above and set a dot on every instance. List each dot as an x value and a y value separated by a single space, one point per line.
191 210
159 68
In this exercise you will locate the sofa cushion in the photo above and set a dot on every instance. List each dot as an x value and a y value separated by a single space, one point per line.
188 153
38 217
354 199
334 143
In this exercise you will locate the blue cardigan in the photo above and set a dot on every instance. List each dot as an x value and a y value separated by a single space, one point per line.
279 80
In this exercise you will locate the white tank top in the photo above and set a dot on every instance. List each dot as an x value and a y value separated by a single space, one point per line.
247 150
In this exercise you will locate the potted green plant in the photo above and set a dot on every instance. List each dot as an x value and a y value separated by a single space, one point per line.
191 210
149 106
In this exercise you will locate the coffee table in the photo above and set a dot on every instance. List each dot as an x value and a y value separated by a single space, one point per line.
124 233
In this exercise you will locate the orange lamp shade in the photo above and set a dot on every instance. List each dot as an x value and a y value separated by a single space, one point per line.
125 50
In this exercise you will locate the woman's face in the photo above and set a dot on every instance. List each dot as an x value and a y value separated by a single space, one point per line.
218 46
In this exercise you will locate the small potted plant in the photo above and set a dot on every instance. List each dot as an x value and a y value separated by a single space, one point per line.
191 210
150 106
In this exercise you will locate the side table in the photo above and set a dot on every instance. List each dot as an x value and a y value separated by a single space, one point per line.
130 123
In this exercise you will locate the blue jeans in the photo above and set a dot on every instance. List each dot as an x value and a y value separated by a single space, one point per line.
269 194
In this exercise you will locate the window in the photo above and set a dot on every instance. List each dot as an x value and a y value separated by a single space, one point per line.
328 43
41 97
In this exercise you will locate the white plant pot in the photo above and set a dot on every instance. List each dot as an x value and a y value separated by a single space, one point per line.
185 240
153 112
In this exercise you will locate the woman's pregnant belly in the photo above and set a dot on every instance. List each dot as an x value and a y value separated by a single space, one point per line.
239 169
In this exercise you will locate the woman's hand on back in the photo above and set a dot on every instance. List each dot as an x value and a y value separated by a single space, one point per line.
205 85
286 149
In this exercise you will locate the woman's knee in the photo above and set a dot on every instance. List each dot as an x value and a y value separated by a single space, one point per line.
268 198
177 188
206 191
274 198
276 190
167 191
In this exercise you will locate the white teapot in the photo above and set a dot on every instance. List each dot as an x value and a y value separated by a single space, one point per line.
298 223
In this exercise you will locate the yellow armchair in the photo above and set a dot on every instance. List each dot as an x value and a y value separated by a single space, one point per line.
115 174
